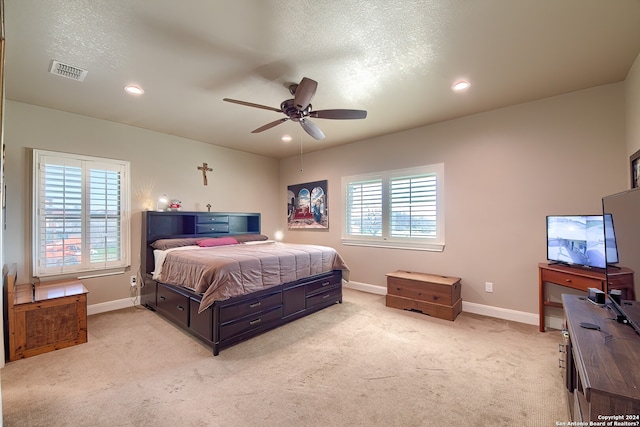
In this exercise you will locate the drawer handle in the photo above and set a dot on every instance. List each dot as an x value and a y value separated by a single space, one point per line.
561 364
162 298
213 229
326 283
568 280
561 348
253 322
255 304
326 296
181 308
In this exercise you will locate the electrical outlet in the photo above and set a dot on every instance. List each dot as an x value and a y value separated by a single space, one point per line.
133 281
488 287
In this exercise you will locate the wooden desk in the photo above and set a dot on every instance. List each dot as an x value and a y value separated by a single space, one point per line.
601 366
580 279
46 317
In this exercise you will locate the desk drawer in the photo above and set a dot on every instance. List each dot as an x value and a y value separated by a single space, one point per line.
575 282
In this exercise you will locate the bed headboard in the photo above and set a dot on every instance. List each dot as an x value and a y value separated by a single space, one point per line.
179 224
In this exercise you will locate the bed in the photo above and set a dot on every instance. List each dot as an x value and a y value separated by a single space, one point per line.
216 276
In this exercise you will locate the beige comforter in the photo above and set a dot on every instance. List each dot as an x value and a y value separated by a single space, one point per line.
222 272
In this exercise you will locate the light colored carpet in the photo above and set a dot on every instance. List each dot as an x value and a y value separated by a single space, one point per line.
359 363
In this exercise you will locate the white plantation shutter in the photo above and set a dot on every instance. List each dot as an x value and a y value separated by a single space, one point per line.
413 202
364 208
81 214
396 209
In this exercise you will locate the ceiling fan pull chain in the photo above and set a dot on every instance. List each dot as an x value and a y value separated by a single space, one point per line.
301 166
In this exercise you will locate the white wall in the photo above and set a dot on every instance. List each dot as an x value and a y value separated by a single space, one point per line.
632 98
505 170
160 163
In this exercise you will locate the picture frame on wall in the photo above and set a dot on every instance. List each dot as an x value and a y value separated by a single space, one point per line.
635 169
307 206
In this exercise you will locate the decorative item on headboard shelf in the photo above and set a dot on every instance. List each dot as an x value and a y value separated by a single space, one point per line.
208 207
175 205
163 203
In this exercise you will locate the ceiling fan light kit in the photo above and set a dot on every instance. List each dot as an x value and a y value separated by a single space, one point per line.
299 109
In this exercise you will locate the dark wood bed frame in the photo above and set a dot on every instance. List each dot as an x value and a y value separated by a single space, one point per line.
231 321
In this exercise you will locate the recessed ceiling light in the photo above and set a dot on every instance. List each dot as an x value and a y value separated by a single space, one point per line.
134 90
286 138
461 85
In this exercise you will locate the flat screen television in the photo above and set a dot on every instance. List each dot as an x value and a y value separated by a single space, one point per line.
624 209
580 240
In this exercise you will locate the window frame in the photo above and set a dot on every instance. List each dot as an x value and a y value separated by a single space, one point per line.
87 266
385 240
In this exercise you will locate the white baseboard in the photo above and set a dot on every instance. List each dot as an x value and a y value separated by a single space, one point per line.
500 313
365 287
109 306
471 307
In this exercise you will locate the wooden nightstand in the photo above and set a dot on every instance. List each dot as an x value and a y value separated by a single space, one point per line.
45 317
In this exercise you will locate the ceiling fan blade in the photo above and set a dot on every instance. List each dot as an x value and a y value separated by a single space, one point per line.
339 114
270 125
304 93
312 129
251 104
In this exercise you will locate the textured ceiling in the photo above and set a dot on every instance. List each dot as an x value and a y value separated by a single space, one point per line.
395 59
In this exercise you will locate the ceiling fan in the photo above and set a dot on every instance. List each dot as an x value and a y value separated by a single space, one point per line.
298 109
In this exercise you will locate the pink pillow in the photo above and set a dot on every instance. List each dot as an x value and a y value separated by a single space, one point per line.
217 241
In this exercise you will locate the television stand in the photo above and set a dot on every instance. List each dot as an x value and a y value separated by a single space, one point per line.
580 279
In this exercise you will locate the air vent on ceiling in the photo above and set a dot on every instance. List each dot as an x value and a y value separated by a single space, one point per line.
68 71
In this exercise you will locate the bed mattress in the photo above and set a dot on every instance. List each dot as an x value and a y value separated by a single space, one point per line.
223 272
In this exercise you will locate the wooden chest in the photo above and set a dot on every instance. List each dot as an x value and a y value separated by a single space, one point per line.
437 296
46 317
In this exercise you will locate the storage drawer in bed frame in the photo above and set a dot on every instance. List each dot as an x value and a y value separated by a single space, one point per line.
233 312
173 304
324 298
250 323
231 321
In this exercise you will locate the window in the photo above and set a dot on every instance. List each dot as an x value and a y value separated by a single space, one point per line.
81 211
400 209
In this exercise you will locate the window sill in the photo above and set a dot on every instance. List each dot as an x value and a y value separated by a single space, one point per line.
430 247
82 274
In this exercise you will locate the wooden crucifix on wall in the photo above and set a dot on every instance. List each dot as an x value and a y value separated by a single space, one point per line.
204 168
